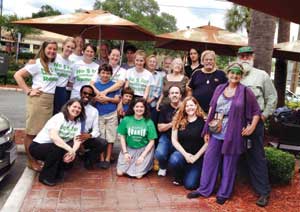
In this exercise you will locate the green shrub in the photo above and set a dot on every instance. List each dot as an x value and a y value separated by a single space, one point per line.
26 55
281 165
11 80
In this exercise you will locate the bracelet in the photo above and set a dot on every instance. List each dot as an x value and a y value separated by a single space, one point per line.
125 153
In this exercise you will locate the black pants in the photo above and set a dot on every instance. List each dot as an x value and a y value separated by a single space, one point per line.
257 162
94 147
52 156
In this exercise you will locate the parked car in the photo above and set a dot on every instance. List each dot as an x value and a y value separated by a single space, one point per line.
8 148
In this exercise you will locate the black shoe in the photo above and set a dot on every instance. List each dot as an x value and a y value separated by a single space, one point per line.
263 200
105 165
60 175
47 182
88 164
221 200
193 194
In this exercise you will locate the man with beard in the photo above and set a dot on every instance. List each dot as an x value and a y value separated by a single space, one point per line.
165 148
90 136
266 96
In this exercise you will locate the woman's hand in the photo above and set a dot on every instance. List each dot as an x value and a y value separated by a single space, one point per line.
194 158
206 138
140 160
188 157
127 157
68 158
248 130
35 92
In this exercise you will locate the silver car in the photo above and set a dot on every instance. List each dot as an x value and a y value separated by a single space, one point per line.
8 148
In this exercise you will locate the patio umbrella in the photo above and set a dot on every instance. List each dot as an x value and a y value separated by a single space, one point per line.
288 10
287 50
205 37
93 24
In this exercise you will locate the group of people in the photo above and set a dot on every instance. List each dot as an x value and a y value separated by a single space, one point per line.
194 119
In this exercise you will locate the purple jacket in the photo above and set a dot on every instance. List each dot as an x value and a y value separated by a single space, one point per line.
233 140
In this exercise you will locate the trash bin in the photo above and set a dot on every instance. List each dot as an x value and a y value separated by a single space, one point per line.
3 67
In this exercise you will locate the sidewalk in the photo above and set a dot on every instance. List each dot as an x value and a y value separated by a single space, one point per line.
102 190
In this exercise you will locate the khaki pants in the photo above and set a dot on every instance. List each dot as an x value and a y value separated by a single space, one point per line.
108 126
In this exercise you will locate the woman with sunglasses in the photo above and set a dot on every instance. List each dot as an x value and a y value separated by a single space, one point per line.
240 111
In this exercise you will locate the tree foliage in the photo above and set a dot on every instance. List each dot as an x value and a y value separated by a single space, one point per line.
46 10
144 13
13 29
238 18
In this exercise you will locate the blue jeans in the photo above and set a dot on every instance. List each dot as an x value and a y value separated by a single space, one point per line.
163 150
186 173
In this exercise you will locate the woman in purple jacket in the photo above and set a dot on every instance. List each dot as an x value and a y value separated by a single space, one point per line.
239 108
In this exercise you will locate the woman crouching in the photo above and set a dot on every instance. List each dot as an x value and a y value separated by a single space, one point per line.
137 132
58 141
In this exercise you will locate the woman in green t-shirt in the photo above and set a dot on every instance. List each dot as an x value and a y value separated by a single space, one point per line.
137 132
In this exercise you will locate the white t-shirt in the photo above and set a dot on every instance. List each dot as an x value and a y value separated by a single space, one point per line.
75 58
67 130
91 122
119 73
46 82
138 81
63 70
82 74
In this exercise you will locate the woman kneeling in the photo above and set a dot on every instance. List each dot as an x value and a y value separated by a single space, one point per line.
137 132
58 141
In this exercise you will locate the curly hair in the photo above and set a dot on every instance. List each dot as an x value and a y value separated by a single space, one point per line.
130 110
180 119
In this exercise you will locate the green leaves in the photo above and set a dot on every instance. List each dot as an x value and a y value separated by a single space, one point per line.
281 165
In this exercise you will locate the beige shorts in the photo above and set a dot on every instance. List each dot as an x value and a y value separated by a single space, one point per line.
108 126
39 110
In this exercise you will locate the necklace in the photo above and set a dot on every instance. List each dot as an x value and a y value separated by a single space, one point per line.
208 78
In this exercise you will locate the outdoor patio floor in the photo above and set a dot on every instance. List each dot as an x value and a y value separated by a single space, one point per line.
102 190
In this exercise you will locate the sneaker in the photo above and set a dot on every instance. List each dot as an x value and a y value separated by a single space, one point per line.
263 200
162 172
221 200
177 183
105 165
193 194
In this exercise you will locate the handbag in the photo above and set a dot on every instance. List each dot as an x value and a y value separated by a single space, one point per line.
215 125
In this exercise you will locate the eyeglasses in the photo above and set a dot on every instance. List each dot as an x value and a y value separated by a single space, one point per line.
87 93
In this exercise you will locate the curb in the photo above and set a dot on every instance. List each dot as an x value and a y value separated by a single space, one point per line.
18 194
11 89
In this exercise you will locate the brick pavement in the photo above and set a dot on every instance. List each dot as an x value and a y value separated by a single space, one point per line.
102 190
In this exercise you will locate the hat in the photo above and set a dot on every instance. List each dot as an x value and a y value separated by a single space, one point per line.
235 67
245 49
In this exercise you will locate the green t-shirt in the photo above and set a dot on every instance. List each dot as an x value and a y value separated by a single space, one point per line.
137 132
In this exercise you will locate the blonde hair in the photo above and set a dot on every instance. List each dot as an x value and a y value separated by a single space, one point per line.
177 61
141 53
72 40
148 58
180 119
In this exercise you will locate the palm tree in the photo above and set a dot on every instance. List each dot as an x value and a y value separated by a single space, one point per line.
281 65
261 38
237 18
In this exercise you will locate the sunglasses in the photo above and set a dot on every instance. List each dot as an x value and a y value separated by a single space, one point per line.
87 93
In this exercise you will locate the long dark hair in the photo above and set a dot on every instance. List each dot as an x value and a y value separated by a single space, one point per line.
130 110
189 58
65 111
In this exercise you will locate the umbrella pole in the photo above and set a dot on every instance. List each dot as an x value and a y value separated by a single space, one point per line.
121 50
99 42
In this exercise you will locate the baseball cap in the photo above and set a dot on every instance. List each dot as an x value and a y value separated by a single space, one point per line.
245 49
